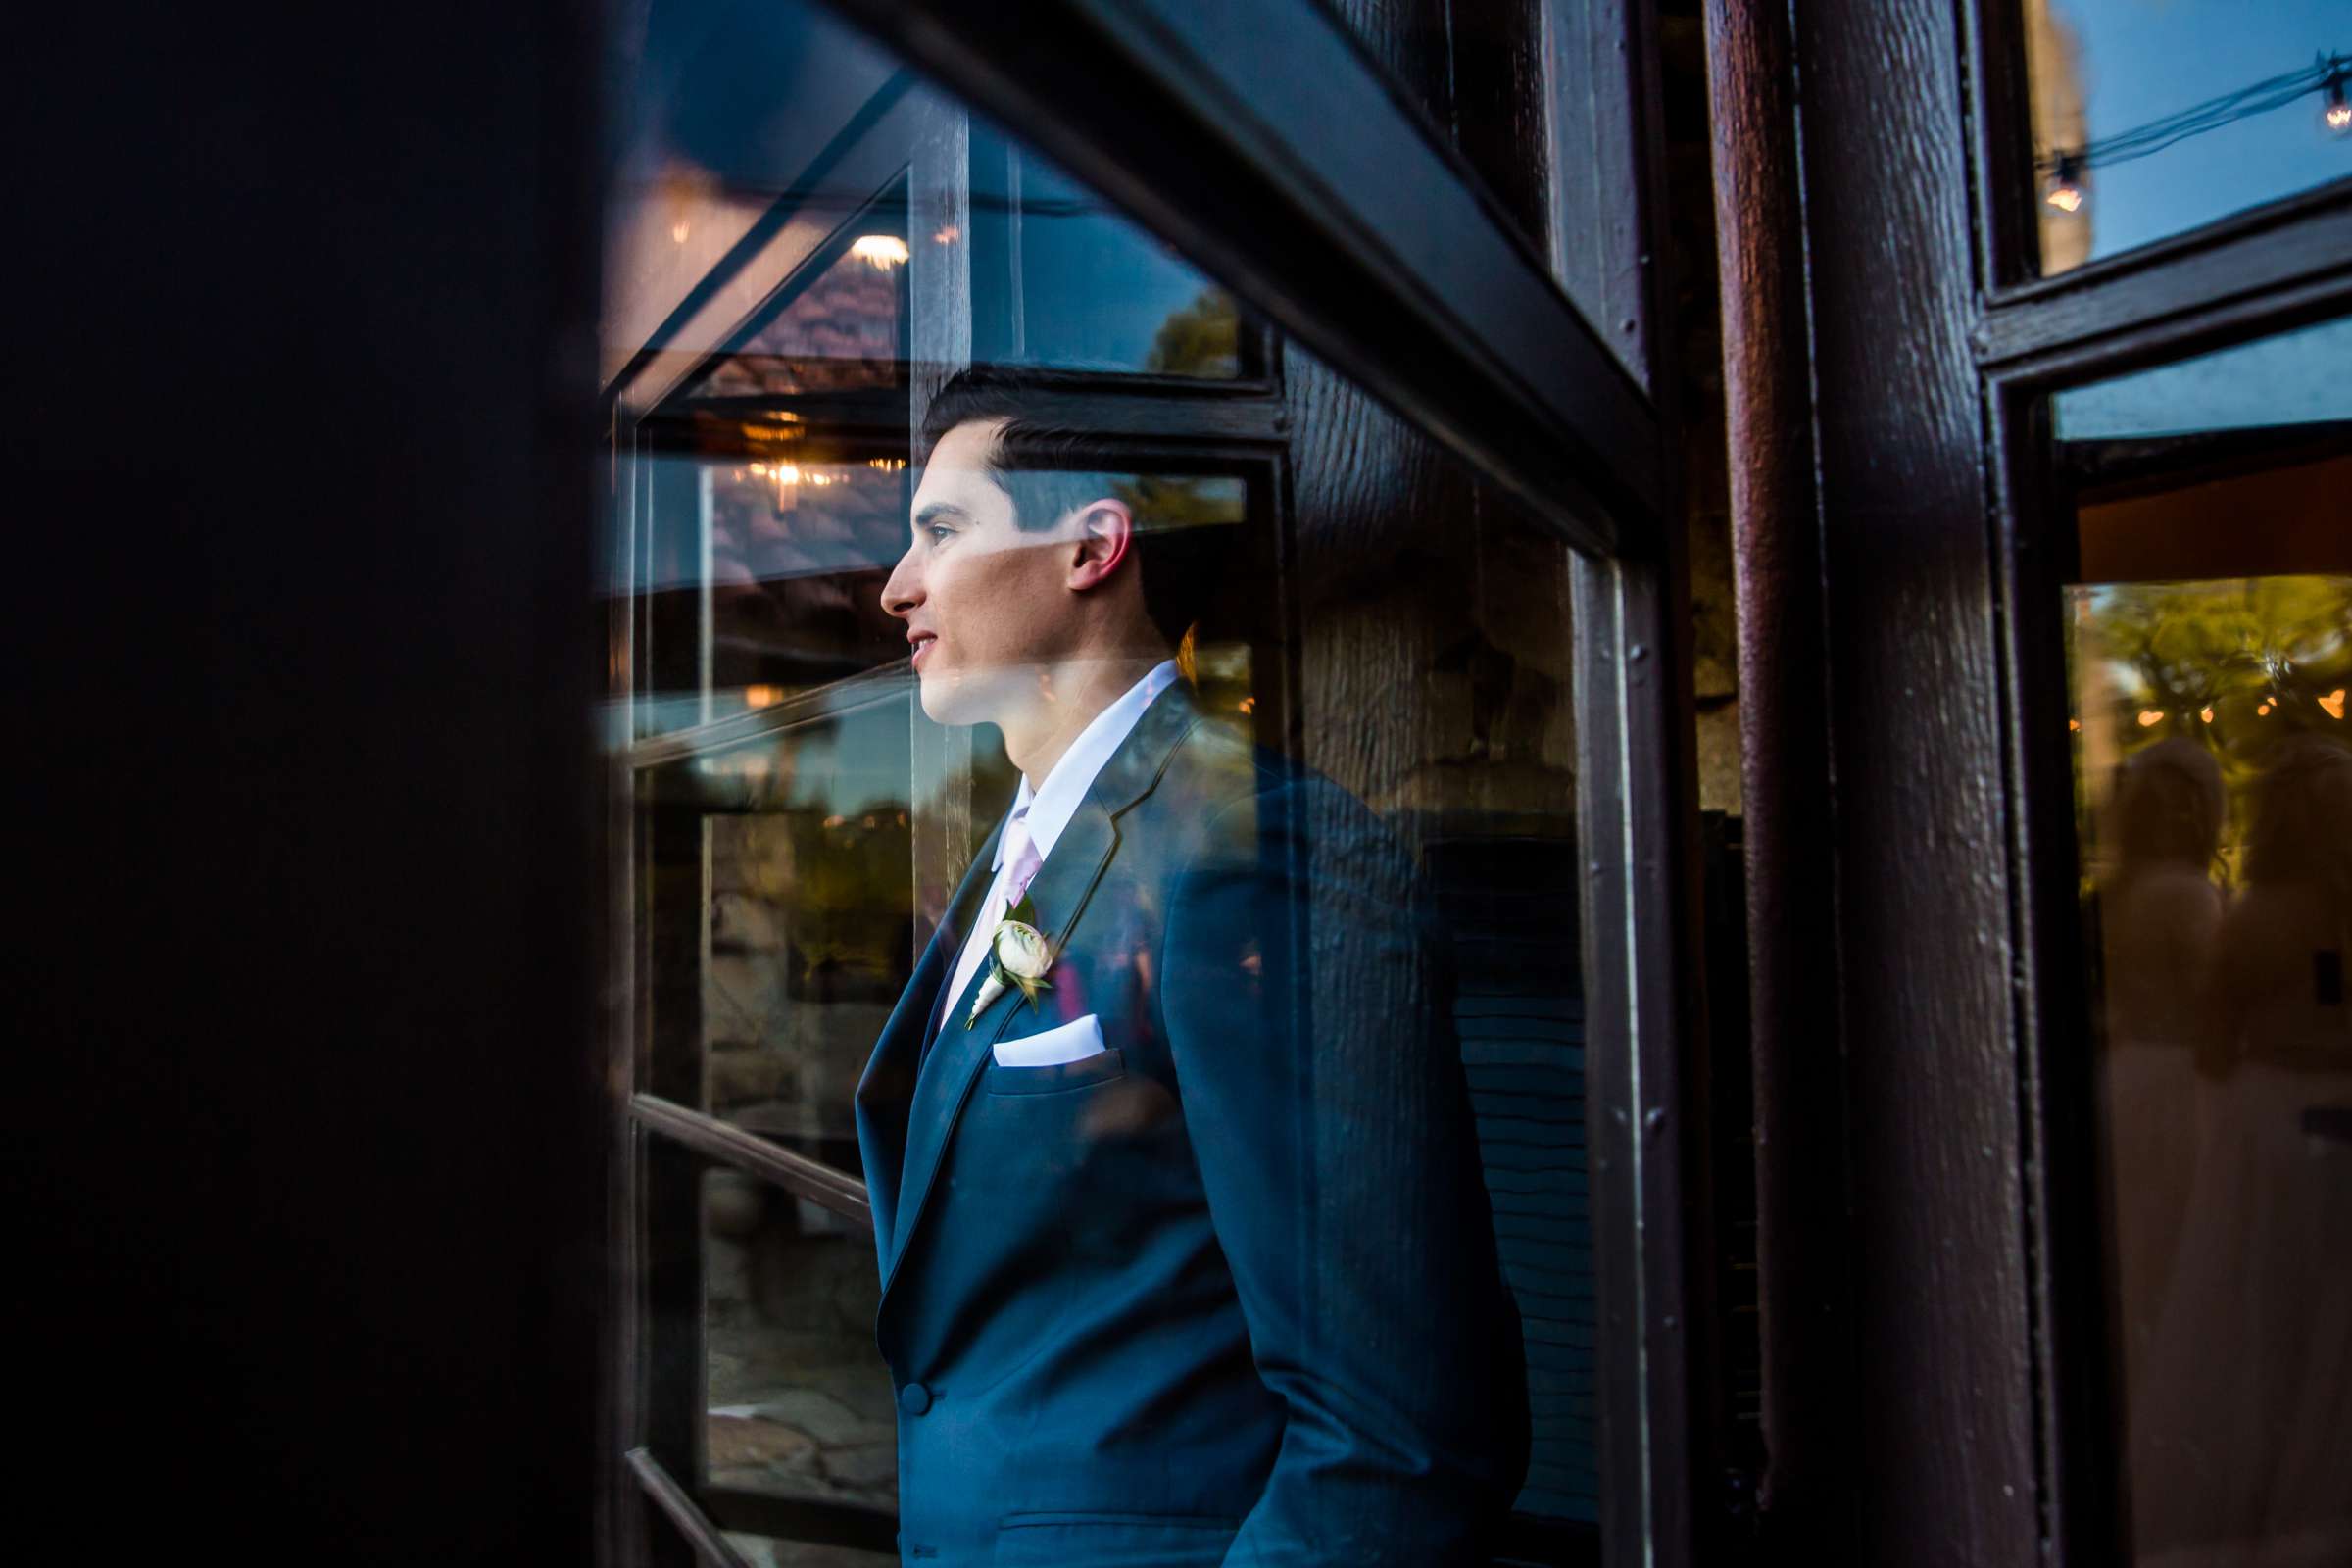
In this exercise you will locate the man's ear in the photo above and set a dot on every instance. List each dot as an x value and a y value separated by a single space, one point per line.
1105 536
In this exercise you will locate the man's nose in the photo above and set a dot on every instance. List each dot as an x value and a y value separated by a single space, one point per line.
905 590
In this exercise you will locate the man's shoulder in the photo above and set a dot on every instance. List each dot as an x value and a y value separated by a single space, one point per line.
1215 766
1223 795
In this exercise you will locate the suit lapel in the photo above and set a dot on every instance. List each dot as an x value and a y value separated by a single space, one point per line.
1063 886
888 1083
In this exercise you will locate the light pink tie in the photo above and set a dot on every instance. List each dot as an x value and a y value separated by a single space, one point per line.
1021 853
1022 864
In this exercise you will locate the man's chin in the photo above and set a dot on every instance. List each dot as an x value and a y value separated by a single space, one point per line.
946 700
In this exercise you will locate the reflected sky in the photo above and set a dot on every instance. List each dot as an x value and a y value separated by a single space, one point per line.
2296 379
2142 60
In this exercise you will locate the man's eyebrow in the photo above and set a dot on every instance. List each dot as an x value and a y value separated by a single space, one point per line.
935 511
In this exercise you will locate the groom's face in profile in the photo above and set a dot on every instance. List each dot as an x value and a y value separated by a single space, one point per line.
985 602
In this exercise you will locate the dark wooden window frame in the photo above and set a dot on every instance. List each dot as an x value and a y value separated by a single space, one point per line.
2248 275
2164 307
1189 118
1920 486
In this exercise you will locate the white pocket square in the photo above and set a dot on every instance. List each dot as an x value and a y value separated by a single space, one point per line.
1058 1047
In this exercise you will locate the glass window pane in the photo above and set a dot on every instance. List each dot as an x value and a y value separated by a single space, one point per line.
2295 380
2151 118
843 329
2211 651
764 562
1007 587
1062 280
809 929
797 1406
765 1552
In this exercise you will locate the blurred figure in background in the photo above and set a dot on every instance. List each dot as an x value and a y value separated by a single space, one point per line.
2160 915
2244 1444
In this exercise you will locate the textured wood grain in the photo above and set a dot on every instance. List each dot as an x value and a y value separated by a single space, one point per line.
1808 1415
1943 1341
1596 246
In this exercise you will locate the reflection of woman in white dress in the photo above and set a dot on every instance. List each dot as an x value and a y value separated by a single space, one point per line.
2159 916
2241 1441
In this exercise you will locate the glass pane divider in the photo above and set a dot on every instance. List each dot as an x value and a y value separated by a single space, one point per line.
890 682
2290 248
802 1519
1480 344
819 1183
710 1547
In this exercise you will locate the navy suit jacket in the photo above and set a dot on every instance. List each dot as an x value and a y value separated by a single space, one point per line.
1227 1292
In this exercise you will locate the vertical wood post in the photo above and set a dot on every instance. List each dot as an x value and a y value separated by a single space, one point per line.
1803 1292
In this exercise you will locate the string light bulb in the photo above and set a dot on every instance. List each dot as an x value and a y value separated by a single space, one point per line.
2066 184
2337 115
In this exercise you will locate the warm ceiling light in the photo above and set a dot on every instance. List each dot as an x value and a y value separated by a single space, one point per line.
2150 717
2333 702
2205 713
885 251
762 695
2073 725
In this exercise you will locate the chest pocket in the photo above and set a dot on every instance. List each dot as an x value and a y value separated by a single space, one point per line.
1101 1067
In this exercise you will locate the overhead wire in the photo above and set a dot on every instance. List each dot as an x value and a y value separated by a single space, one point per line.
2257 98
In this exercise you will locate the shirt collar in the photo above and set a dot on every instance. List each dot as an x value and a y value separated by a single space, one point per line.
1051 808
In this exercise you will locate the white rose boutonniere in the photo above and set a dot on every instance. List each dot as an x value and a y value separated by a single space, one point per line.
1018 957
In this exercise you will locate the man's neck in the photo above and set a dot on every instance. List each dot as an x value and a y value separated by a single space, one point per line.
1070 696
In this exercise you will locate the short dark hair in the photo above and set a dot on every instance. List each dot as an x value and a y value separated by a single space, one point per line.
1049 468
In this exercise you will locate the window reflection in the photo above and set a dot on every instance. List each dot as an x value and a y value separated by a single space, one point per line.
1061 280
2151 119
845 330
2214 778
1326 946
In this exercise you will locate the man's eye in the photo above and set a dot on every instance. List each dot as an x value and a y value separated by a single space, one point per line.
939 534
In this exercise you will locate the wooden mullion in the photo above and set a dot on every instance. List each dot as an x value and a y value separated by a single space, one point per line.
1160 409
1638 1011
819 1183
1296 200
2278 259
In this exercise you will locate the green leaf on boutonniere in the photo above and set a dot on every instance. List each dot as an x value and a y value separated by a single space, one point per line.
1018 956
1024 912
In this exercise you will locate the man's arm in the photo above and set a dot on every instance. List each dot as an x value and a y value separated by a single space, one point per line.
1324 1095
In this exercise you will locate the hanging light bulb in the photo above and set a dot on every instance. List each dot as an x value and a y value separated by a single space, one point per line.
2337 115
2066 184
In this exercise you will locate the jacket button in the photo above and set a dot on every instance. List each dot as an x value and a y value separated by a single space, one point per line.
914 1398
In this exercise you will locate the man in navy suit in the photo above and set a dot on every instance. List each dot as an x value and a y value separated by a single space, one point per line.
1186 1252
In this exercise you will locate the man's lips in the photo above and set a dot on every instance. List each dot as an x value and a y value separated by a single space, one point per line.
922 642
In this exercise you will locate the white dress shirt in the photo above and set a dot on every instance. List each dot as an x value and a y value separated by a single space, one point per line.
1049 808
